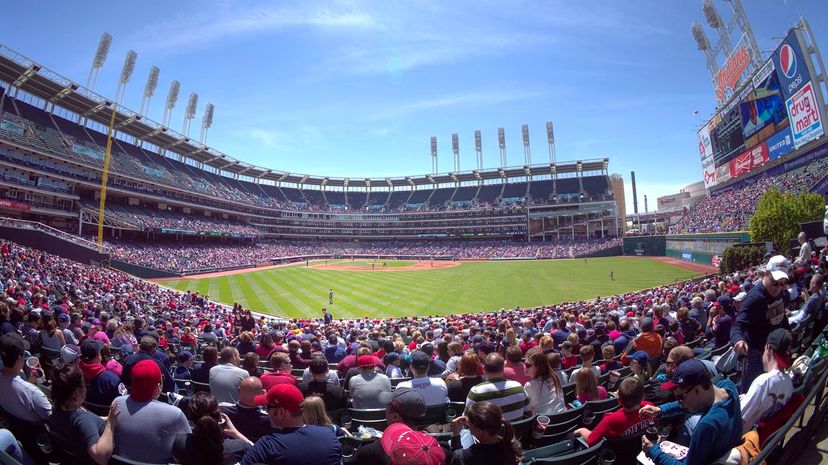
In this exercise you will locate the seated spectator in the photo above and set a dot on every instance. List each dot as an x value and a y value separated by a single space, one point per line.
649 341
226 377
330 375
334 353
467 376
586 386
250 364
146 428
437 366
506 394
568 359
214 439
265 346
720 323
495 442
554 360
639 364
281 374
392 361
690 328
720 426
201 372
365 388
294 442
297 359
814 300
147 351
587 356
207 335
245 414
403 409
514 369
455 352
543 389
102 384
314 413
184 370
771 390
75 423
21 399
610 364
245 343
333 396
432 388
622 423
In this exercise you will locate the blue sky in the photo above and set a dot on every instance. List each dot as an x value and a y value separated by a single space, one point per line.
356 89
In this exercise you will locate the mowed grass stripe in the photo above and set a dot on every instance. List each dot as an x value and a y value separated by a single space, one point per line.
471 287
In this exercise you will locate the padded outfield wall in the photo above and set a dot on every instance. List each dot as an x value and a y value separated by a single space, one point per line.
694 248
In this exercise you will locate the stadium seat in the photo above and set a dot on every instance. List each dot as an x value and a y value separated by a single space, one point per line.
586 456
626 450
601 407
118 460
369 417
98 409
6 459
67 451
560 425
435 415
559 448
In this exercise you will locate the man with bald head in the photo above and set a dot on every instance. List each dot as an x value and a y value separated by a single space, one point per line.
246 416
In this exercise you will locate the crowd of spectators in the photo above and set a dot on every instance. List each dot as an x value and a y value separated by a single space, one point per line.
185 257
504 366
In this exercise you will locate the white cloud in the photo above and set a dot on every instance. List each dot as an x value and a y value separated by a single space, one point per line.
268 138
473 99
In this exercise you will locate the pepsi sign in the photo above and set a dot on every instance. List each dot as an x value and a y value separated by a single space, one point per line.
790 65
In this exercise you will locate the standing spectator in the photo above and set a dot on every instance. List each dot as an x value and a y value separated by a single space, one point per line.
586 386
245 414
506 394
762 311
467 376
226 377
718 430
433 389
21 399
804 258
544 388
75 423
295 442
771 390
365 388
147 428
495 442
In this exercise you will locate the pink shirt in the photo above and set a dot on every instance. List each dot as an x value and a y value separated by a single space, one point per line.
516 372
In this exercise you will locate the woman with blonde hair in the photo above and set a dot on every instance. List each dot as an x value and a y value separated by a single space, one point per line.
544 389
313 413
586 386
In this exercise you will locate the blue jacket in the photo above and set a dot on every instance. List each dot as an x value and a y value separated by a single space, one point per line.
758 316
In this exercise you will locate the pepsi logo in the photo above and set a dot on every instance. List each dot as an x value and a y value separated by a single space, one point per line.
787 61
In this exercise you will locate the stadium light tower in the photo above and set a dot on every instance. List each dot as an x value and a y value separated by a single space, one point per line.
703 44
149 89
126 73
550 138
172 100
433 155
206 121
527 151
455 149
711 14
190 112
501 143
478 148
100 58
740 18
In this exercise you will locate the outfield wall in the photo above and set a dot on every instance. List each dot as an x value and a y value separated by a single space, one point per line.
695 248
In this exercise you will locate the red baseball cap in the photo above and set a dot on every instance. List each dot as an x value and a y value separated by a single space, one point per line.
146 376
287 396
366 361
408 447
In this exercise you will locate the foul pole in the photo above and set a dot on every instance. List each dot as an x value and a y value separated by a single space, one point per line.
105 174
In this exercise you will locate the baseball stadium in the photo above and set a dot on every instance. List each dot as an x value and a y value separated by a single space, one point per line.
162 301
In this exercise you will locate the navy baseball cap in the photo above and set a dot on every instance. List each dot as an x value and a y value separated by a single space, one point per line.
405 401
690 373
420 359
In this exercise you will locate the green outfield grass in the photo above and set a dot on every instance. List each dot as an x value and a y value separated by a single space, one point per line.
367 263
298 291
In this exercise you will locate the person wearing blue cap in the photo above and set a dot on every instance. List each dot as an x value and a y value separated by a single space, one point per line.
639 364
720 427
184 370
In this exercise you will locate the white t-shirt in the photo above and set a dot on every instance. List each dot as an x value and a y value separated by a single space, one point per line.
768 394
543 399
433 390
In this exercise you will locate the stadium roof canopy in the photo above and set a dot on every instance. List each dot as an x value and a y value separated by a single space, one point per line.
56 89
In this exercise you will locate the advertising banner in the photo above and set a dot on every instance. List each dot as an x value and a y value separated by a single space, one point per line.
790 65
709 176
728 76
740 164
15 205
705 146
723 173
803 108
707 162
780 143
12 127
758 155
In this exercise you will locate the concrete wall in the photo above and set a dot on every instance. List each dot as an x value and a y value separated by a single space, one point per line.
52 244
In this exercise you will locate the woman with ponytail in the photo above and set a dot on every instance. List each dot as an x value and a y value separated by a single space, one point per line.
495 442
214 440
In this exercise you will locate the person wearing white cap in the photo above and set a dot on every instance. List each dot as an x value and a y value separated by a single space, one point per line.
761 311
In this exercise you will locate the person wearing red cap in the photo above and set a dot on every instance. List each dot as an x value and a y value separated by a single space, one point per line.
147 428
295 442
366 387
772 390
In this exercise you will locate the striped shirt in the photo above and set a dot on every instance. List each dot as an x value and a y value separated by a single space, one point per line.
506 394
